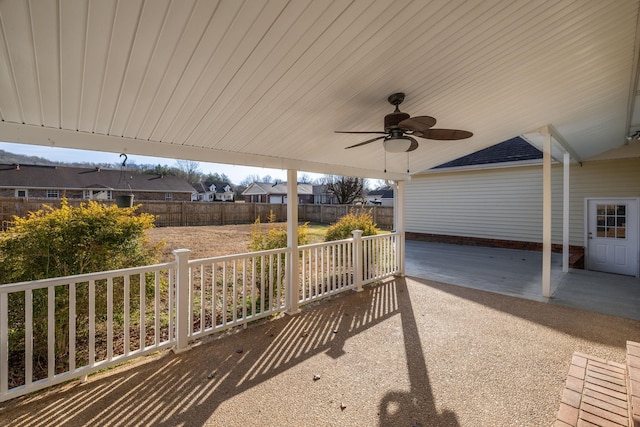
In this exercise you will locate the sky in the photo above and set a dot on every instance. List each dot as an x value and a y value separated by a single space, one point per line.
235 173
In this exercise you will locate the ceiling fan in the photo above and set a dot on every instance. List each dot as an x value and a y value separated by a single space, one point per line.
400 128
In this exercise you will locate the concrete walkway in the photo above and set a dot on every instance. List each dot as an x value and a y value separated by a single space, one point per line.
519 273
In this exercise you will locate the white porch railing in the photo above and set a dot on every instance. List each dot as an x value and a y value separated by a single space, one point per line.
58 329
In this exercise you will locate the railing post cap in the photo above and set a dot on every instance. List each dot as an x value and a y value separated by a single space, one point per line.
357 233
181 251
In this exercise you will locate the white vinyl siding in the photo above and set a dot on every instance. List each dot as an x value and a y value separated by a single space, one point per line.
601 179
507 203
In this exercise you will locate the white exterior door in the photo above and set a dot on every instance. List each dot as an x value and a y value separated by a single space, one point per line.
612 235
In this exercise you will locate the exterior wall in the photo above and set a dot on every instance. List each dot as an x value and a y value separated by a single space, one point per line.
506 204
255 198
78 194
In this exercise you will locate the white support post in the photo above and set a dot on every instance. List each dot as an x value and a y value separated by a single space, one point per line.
565 212
546 216
358 259
182 300
292 292
399 225
4 343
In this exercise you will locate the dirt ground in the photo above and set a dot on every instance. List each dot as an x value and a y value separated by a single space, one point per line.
205 241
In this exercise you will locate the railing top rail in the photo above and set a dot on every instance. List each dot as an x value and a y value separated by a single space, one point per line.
79 278
321 244
224 258
379 236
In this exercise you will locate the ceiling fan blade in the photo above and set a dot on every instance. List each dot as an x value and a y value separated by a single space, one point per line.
356 131
444 134
418 123
366 142
413 146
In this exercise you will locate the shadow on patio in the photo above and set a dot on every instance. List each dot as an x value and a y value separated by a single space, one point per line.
405 352
348 361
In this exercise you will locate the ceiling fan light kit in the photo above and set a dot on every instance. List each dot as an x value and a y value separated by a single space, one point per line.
399 128
397 145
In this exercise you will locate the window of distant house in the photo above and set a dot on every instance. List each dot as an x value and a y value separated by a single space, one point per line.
97 194
53 194
612 221
22 193
168 196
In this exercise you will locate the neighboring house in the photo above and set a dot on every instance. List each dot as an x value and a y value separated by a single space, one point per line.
494 198
54 182
322 196
212 192
265 192
381 197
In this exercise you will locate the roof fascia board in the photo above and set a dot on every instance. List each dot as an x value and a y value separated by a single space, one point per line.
559 145
503 165
50 137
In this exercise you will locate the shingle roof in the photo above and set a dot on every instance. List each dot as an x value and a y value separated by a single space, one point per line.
63 177
277 188
203 187
383 193
513 150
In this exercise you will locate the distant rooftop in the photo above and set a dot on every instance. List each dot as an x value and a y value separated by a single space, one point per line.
513 150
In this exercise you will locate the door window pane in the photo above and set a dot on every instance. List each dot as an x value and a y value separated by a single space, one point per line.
611 221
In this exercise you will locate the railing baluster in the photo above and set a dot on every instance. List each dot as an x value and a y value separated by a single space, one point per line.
51 332
224 293
244 288
72 326
4 342
28 337
109 318
262 284
253 285
234 297
126 294
214 268
171 309
143 310
202 312
279 283
92 322
315 253
156 308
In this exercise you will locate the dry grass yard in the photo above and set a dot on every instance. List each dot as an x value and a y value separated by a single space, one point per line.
216 240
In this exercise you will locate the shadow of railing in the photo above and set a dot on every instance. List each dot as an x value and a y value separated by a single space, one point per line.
186 389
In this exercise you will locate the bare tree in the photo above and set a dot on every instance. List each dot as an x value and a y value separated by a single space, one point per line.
305 178
346 189
189 170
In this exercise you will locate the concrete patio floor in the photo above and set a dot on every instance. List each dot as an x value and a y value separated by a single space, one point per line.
519 273
404 352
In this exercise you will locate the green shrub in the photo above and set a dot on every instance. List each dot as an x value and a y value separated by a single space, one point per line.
56 242
275 237
342 229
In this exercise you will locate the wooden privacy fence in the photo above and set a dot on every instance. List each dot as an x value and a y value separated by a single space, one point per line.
176 214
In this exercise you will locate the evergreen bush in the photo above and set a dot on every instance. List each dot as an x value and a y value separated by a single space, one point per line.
342 229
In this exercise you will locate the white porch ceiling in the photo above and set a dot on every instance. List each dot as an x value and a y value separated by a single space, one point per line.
266 83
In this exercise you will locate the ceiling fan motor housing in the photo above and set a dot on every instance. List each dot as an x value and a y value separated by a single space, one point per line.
391 121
